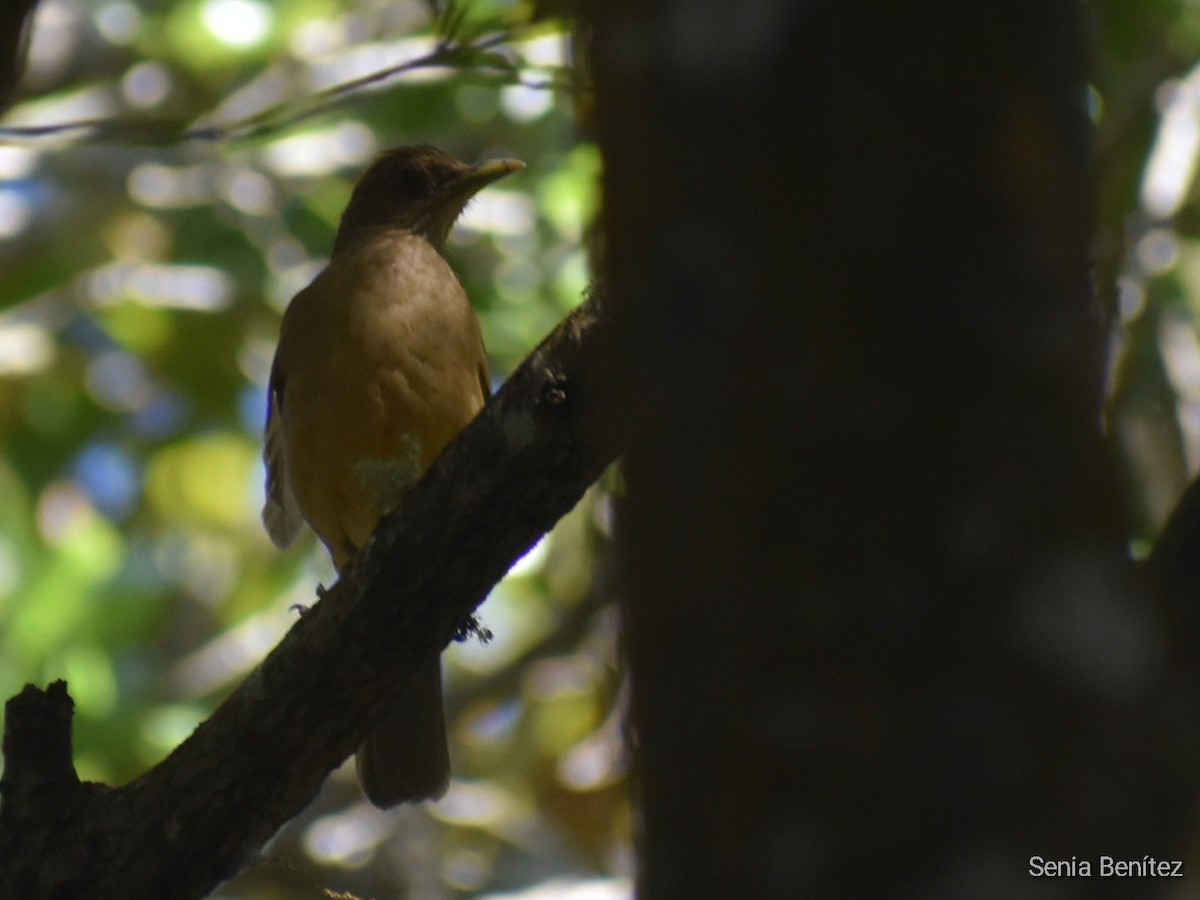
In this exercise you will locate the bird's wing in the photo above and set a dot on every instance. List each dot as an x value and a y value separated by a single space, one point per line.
281 513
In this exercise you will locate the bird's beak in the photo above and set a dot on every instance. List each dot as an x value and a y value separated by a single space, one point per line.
474 180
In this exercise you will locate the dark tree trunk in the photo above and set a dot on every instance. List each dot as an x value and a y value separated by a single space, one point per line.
882 628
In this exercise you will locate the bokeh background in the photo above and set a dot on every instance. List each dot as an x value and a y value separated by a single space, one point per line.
171 173
1145 101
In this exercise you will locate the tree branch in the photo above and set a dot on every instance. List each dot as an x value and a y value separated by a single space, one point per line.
479 55
192 821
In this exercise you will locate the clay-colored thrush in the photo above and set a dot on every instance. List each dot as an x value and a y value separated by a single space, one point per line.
380 364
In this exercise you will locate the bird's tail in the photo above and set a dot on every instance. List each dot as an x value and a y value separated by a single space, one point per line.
404 758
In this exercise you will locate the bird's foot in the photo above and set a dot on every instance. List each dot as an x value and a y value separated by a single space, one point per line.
472 627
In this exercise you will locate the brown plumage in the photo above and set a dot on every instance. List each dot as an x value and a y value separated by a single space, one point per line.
380 364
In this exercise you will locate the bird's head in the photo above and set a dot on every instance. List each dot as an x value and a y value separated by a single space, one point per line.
417 188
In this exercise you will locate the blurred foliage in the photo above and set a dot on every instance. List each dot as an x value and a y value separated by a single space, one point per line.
1145 102
171 173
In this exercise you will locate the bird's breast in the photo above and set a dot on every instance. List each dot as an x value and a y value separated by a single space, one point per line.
381 355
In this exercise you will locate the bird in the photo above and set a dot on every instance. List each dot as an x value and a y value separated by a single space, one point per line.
380 363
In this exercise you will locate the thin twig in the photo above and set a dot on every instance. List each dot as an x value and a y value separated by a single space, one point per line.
289 112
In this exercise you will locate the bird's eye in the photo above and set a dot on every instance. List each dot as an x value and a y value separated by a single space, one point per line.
412 182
